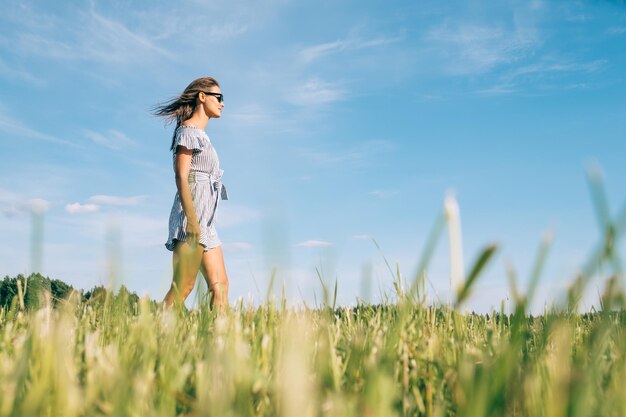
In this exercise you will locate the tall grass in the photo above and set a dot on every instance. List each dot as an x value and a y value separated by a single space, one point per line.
113 357
118 359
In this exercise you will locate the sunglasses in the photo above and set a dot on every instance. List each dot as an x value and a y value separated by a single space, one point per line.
219 96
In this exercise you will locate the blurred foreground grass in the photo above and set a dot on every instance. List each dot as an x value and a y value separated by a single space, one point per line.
117 357
114 355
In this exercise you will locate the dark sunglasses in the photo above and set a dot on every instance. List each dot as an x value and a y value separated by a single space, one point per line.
219 96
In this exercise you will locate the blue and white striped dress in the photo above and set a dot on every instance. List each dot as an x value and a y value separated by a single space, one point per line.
206 188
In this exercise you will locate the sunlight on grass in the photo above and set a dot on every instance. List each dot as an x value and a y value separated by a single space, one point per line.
113 355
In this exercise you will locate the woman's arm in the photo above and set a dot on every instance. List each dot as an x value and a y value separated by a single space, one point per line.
182 168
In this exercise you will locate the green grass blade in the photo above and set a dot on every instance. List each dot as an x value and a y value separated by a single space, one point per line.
478 267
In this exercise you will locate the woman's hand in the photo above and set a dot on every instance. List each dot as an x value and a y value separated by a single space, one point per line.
192 231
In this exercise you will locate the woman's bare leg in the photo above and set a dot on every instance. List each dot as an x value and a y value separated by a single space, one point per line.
186 260
214 273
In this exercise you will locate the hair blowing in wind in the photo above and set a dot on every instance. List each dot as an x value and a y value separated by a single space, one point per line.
181 108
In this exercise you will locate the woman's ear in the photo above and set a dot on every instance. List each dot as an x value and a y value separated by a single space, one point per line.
200 101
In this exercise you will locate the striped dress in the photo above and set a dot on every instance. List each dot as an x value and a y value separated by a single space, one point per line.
206 188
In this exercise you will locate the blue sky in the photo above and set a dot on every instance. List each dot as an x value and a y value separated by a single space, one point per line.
344 121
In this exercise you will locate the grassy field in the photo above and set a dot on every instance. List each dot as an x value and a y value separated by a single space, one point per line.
116 358
112 356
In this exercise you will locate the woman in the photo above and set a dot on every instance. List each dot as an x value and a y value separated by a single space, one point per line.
192 235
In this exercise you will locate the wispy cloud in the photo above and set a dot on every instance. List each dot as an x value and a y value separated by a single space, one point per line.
18 73
42 46
85 36
77 208
10 210
313 244
94 203
249 116
616 30
12 205
314 52
255 115
112 200
514 79
382 194
228 30
110 40
468 49
15 127
358 153
315 92
112 139
554 65
362 237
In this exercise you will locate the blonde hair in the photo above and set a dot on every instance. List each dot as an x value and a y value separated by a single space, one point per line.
181 108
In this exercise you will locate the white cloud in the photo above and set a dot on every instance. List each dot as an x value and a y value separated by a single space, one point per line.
112 200
255 115
497 89
42 45
315 92
81 35
110 40
556 66
549 66
12 204
10 210
15 72
313 52
77 208
313 244
17 128
616 30
475 49
226 31
39 205
250 115
317 51
9 203
112 139
383 193
359 152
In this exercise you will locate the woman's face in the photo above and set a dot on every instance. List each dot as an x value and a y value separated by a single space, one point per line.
210 102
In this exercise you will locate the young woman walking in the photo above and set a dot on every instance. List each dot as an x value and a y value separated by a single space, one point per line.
192 235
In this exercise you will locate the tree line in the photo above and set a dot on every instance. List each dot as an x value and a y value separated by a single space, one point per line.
33 289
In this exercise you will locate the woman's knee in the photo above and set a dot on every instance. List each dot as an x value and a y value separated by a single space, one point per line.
188 288
183 289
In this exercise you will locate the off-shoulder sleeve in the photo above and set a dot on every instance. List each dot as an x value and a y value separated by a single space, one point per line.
188 138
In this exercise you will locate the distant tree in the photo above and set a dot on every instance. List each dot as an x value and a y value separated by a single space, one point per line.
96 295
124 293
36 285
8 291
122 299
60 290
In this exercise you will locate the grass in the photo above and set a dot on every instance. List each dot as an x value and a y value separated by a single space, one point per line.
115 357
